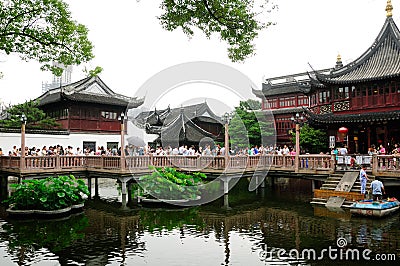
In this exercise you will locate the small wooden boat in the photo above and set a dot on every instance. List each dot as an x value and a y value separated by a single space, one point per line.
375 208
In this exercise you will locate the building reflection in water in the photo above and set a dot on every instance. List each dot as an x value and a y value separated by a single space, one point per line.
271 218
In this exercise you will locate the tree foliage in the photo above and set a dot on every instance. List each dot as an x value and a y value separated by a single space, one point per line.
35 117
249 127
236 21
93 72
43 30
312 140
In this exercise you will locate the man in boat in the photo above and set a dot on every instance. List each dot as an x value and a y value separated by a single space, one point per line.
377 189
363 179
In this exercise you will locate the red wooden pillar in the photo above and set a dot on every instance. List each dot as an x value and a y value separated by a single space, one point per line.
369 136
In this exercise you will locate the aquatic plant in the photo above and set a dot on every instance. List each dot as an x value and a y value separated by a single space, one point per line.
168 183
51 193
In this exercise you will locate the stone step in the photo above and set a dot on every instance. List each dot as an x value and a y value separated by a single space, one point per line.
332 181
328 188
329 185
318 201
334 178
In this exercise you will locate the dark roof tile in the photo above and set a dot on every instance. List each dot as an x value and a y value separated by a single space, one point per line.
380 61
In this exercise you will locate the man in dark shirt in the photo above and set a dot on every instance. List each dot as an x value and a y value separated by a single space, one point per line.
377 189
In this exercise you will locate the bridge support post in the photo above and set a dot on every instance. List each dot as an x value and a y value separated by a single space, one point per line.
226 203
89 180
129 192
124 181
225 180
96 187
124 202
3 187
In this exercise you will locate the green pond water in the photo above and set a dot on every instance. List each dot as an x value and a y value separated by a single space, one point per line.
272 226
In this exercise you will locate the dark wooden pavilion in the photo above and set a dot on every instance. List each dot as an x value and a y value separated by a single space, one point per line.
87 105
187 125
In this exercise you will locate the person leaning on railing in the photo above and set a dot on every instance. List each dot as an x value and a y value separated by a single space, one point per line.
396 153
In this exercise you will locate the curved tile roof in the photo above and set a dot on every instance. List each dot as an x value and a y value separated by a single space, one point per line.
289 84
88 90
184 128
380 61
201 111
352 118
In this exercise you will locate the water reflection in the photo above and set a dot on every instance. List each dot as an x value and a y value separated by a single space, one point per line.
110 233
28 240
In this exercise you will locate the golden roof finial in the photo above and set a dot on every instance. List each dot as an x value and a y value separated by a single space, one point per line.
339 62
389 8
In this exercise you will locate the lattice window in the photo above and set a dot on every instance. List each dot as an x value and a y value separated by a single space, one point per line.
342 106
325 109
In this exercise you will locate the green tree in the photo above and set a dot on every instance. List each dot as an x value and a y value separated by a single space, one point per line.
94 72
43 30
312 140
249 126
35 117
236 21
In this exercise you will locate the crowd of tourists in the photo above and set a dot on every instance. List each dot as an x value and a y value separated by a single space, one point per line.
60 150
217 150
130 150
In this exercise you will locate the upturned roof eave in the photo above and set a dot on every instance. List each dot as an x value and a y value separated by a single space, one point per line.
388 30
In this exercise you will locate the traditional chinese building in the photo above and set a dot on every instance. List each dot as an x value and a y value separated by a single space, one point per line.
90 108
285 96
87 105
363 96
189 125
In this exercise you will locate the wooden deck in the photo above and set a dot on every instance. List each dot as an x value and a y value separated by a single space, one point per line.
382 165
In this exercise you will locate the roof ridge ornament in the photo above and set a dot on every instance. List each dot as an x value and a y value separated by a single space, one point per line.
389 8
339 62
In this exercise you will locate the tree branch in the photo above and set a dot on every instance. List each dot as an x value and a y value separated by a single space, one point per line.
19 15
37 40
218 19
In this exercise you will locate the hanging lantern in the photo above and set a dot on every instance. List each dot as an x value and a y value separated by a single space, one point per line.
342 133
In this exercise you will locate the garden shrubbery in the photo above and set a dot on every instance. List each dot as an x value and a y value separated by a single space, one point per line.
52 193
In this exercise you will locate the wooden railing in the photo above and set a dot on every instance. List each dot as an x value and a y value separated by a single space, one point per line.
387 164
316 162
43 163
380 165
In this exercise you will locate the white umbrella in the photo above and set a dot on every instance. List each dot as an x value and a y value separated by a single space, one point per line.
136 141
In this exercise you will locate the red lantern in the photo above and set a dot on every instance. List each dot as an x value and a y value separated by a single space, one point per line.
342 133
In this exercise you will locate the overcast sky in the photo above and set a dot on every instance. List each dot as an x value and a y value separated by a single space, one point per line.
131 46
